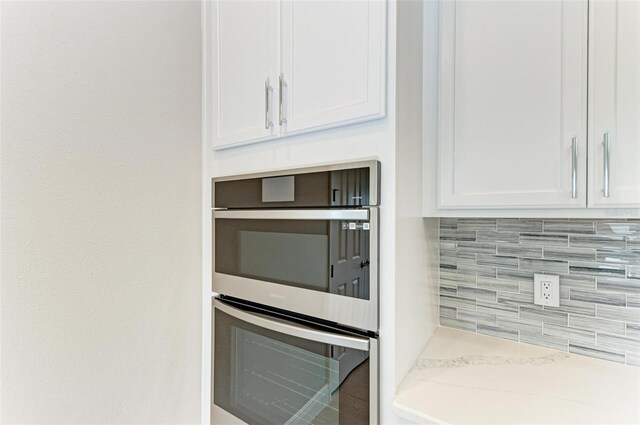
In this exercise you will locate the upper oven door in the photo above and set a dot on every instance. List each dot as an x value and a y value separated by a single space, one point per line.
321 263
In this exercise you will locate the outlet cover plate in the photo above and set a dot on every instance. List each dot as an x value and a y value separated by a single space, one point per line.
546 289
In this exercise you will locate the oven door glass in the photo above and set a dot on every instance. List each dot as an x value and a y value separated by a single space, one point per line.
263 376
330 255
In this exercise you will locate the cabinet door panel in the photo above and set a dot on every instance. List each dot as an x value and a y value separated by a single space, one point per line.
245 53
513 96
614 76
333 62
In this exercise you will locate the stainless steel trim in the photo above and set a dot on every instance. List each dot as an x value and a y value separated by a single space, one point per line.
606 145
283 83
294 330
300 214
574 167
354 312
267 114
372 164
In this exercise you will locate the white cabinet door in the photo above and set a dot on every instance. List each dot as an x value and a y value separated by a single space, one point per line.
245 38
512 99
333 63
614 108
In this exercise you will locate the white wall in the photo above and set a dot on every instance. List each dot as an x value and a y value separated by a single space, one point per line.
100 212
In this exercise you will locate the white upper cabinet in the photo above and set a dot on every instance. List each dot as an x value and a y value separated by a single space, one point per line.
245 64
333 63
286 67
614 104
513 104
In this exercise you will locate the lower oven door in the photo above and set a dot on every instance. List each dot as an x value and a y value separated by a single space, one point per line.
270 371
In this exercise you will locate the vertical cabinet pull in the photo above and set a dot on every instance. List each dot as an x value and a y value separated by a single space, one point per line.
267 114
574 167
605 164
281 118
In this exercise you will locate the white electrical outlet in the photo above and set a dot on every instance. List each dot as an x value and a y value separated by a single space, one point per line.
546 289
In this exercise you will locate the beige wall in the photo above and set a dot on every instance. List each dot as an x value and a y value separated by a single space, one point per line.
100 212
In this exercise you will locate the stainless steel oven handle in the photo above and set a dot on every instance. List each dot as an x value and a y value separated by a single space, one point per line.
359 214
293 330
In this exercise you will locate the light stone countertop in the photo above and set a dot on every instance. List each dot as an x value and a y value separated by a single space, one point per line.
465 378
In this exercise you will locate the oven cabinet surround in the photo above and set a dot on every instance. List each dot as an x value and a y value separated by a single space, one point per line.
408 268
286 67
514 106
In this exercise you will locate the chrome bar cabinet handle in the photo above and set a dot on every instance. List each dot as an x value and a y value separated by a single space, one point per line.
606 144
267 114
574 167
281 118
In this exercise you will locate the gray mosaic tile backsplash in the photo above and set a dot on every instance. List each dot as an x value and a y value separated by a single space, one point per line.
486 282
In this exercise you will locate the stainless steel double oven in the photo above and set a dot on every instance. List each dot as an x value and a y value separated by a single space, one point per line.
295 322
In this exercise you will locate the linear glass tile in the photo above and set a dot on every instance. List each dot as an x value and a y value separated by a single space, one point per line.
519 324
501 310
526 287
569 226
448 289
628 314
633 242
493 236
497 261
597 242
476 224
617 228
545 239
513 274
569 254
457 235
596 324
448 267
614 284
545 316
633 331
457 302
545 266
474 270
513 299
633 359
513 250
574 335
618 342
458 324
449 312
453 257
497 284
617 256
599 297
476 293
577 281
498 332
519 225
477 247
596 269
448 223
451 277
547 341
450 245
576 307
633 300
597 352
478 317
633 272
